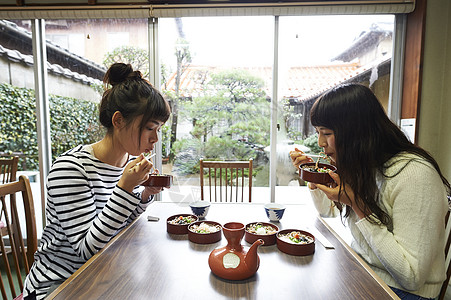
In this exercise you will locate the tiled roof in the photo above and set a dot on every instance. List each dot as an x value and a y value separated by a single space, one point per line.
368 39
297 82
359 74
54 52
18 57
307 81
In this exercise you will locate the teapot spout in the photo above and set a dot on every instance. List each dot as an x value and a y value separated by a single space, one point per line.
252 260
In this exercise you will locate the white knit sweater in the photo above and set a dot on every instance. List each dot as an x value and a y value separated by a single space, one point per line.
85 209
410 256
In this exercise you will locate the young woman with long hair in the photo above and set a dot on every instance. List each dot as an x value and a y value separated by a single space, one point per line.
391 192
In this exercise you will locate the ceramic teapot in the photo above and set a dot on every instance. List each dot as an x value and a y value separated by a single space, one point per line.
235 262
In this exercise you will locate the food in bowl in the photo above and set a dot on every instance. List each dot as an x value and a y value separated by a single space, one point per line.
178 224
296 242
316 172
296 237
261 230
205 232
315 169
183 220
204 228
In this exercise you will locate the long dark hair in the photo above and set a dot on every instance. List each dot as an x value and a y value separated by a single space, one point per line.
131 95
365 139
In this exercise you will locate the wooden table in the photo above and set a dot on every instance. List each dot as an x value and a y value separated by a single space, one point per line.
145 262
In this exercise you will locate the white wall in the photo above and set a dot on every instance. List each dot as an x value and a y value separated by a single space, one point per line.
21 75
435 111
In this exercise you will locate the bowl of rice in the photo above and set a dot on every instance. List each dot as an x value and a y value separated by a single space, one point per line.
261 230
296 242
205 232
178 224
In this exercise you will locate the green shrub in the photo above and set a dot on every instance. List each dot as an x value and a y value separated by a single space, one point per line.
72 122
191 150
312 143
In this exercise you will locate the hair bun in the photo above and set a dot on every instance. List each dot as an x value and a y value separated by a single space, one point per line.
119 72
134 75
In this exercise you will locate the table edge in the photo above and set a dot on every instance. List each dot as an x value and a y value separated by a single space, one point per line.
360 260
90 261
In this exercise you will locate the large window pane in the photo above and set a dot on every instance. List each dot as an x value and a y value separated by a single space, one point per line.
79 53
18 133
217 73
317 53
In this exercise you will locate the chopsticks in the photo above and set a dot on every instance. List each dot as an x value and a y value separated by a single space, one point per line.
321 238
146 156
314 155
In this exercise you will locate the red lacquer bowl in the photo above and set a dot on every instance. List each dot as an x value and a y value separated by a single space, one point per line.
269 239
179 228
316 177
204 238
292 248
159 180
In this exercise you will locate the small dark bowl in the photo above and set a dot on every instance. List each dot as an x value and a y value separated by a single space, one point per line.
176 228
269 239
204 238
315 177
295 249
159 180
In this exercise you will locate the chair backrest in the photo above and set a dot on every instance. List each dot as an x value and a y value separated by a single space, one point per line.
16 257
8 169
226 180
447 252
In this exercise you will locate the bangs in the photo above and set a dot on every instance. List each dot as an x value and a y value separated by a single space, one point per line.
320 114
157 109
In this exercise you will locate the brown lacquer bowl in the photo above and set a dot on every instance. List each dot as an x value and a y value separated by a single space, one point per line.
159 180
259 230
178 224
205 232
308 172
306 246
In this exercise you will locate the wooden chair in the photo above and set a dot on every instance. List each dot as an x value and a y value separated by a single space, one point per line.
226 179
8 169
447 255
16 257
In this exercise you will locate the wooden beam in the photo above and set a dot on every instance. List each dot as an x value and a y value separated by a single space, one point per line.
413 63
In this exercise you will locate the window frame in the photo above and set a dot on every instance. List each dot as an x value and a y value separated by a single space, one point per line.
409 90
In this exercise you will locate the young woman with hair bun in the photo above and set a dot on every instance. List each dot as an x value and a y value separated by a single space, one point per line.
94 191
390 191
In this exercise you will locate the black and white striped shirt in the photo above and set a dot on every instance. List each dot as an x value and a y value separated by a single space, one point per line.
85 209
